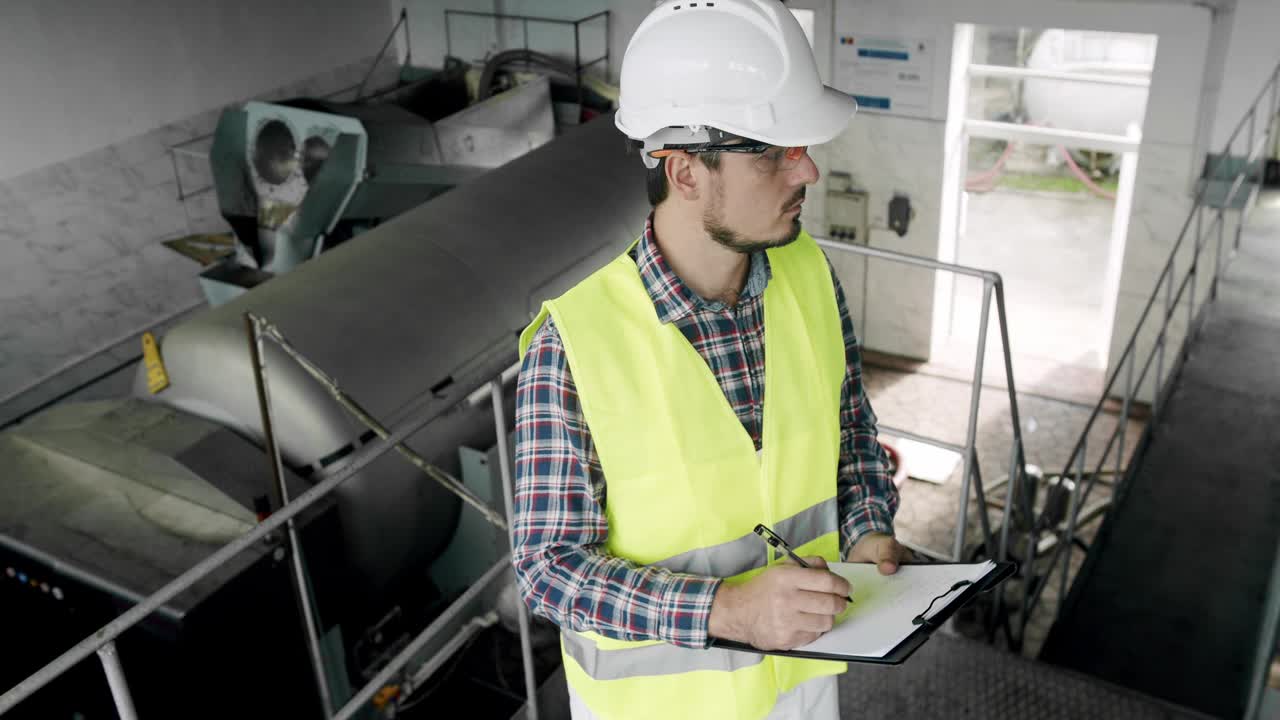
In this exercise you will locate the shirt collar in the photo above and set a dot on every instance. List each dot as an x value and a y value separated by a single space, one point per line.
672 299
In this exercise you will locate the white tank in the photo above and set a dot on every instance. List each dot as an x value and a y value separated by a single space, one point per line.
1082 106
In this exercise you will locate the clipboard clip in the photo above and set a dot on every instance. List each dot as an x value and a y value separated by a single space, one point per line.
921 620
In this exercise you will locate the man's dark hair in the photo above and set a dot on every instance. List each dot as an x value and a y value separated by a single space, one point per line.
655 180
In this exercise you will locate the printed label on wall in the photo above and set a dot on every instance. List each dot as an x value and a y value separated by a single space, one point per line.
886 74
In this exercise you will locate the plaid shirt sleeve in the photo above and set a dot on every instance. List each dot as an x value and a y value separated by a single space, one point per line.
866 495
560 527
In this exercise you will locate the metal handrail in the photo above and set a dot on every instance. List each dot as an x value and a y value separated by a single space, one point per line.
284 515
578 64
1060 559
263 531
401 21
993 287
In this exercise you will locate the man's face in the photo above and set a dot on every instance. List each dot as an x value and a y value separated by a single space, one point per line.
754 200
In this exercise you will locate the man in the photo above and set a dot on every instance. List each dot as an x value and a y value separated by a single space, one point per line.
651 436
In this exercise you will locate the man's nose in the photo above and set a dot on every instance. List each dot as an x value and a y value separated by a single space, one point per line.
806 171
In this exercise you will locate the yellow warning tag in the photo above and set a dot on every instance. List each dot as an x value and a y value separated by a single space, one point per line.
157 378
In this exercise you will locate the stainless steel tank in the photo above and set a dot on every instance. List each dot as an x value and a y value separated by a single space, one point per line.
417 310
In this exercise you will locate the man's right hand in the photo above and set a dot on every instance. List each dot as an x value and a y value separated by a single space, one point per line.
784 607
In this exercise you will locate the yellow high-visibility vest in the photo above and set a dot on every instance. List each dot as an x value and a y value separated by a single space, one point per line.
685 484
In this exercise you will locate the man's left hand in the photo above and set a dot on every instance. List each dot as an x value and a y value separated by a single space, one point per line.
881 549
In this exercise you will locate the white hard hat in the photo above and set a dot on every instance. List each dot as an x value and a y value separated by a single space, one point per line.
740 66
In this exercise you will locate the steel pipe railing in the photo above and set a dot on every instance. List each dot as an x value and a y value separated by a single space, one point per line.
1128 361
971 474
490 367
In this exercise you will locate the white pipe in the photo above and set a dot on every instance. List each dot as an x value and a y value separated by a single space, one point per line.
1104 142
110 658
1001 71
482 393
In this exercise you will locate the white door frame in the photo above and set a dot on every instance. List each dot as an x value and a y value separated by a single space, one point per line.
960 129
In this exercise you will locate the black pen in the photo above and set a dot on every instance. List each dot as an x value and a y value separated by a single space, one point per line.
776 541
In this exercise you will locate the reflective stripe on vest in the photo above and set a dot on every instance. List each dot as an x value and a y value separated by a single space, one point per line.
660 659
685 485
749 551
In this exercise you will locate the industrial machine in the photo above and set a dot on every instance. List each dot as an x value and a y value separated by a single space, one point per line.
108 501
299 177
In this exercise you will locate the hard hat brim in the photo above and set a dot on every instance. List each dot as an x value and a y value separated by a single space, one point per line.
813 124
810 123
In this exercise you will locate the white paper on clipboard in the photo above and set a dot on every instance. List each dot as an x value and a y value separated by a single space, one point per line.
884 606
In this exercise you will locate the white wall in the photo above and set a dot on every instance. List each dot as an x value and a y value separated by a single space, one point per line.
1219 45
76 81
1251 56
87 186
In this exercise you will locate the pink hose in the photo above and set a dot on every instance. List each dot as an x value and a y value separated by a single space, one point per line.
1083 177
986 180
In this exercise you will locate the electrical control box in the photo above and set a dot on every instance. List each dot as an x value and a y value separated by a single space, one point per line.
847 215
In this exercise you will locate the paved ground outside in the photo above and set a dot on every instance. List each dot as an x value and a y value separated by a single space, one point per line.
1051 250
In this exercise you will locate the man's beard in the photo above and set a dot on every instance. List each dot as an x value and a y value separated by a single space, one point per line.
713 222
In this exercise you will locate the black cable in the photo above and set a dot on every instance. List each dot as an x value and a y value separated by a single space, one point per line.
485 88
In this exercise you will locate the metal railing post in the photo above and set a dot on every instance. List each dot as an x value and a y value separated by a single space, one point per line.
1237 183
1016 459
110 658
402 20
980 495
1071 527
1164 341
448 36
1217 262
1193 272
1124 416
971 434
1271 105
1011 496
301 588
1248 150
508 497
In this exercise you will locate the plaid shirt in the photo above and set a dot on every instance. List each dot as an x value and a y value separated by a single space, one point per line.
560 526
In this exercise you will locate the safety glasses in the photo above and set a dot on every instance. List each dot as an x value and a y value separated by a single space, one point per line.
769 158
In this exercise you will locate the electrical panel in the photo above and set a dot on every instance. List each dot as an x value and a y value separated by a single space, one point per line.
847 216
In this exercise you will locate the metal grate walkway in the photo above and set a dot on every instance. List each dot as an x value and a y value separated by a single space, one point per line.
953 677
1170 602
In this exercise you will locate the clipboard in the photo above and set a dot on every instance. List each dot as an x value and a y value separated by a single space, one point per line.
904 649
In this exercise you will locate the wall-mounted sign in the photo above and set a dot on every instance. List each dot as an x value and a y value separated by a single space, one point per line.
886 74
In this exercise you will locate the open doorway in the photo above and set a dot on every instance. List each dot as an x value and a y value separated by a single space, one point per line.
1047 127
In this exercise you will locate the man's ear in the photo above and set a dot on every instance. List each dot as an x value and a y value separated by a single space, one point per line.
681 176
